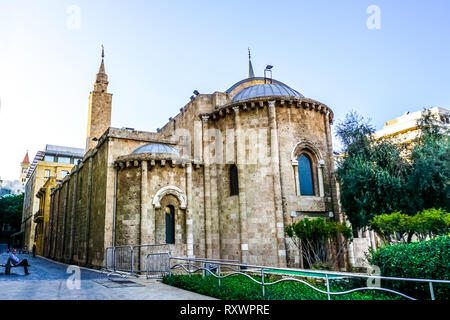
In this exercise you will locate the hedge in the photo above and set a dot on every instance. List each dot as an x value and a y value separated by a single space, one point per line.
423 260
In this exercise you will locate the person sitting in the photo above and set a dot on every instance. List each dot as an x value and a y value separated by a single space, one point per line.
15 261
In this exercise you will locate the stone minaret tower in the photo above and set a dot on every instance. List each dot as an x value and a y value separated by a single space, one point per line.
24 166
99 116
251 73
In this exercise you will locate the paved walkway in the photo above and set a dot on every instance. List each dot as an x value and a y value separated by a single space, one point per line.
50 280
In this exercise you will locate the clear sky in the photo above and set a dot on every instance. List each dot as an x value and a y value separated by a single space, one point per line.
158 52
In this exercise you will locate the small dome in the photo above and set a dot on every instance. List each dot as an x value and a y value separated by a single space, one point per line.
156 148
266 90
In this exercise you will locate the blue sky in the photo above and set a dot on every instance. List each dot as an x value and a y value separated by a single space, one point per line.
158 52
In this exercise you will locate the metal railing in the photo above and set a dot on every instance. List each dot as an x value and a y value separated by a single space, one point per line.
140 253
158 264
244 269
130 260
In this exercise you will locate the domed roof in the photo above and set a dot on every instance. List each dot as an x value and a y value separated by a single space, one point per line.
156 148
266 90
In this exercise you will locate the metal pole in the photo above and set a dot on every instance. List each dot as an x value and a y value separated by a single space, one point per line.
189 267
432 291
262 280
203 271
328 287
114 259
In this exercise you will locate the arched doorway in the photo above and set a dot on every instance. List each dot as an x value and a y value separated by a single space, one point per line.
170 222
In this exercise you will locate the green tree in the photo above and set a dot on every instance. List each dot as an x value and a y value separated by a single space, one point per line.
10 214
381 176
429 178
371 173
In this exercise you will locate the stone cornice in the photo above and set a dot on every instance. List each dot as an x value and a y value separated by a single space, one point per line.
260 102
134 160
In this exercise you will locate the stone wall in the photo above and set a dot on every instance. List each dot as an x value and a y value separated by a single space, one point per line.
80 223
262 137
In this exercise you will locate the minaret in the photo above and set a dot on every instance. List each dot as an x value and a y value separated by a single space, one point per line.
24 166
251 74
99 115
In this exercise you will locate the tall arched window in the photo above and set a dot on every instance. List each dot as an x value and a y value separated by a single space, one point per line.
234 183
305 175
170 224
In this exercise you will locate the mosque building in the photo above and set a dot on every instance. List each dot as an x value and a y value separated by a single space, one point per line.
221 179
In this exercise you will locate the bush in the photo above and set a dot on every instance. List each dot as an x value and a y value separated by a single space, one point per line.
392 226
313 236
423 260
431 223
395 226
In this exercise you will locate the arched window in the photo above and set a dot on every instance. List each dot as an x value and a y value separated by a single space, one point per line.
234 183
305 175
170 224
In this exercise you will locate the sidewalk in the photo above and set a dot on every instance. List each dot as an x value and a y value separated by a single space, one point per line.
50 281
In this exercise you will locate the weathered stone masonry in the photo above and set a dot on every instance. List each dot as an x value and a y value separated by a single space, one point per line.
184 171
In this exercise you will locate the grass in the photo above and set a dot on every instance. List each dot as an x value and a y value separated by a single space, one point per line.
239 287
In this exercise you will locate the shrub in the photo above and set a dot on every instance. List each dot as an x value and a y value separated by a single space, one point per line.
423 260
401 227
389 226
312 237
431 223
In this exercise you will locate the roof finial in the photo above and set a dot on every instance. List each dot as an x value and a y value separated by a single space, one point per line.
251 73
102 64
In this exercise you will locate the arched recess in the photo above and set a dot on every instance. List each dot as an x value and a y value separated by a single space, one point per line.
170 224
175 191
304 147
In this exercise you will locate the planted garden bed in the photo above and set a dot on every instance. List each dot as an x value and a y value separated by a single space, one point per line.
239 287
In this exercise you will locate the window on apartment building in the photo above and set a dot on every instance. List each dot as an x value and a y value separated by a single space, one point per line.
47 173
49 158
63 160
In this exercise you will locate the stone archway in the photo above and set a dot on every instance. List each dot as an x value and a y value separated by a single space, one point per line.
304 144
171 217
175 191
